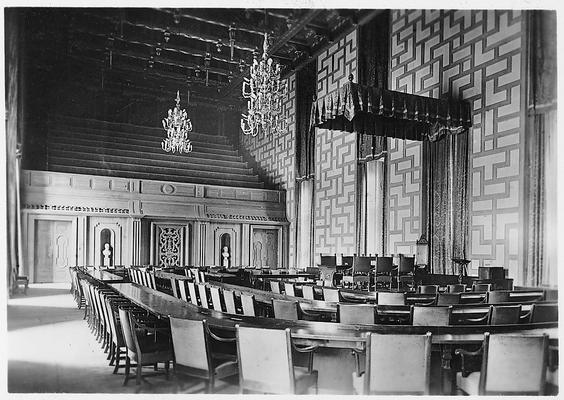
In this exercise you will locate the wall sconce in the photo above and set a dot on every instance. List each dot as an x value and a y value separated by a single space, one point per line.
422 252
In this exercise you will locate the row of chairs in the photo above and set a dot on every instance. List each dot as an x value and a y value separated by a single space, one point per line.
445 316
142 277
194 273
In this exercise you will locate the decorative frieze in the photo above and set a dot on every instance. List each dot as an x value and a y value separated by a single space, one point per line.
79 209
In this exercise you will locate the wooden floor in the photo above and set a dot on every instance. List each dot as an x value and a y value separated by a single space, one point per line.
51 350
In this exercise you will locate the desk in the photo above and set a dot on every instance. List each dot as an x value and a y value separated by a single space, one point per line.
222 277
104 276
326 335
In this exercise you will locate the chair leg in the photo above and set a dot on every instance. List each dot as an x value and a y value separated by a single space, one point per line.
117 355
166 369
155 367
138 371
127 366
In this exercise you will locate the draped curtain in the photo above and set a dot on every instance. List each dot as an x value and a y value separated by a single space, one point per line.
448 197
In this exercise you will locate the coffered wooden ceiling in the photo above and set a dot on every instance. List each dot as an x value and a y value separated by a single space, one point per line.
151 51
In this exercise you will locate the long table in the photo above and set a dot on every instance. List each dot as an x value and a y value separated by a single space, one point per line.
104 276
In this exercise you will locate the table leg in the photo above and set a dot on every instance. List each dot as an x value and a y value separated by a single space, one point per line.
447 376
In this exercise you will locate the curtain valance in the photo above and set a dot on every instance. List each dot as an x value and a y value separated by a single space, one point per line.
381 112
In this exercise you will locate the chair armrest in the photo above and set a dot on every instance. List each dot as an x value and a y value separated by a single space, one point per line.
479 319
429 303
464 354
219 338
526 317
307 349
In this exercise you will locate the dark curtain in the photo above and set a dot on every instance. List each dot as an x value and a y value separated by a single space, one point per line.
373 61
306 89
448 197
540 205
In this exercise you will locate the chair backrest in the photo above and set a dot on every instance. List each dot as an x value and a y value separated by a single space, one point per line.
513 364
202 276
328 261
331 295
504 315
190 343
151 280
216 298
265 360
182 290
346 260
274 286
431 316
497 296
196 274
286 309
248 304
203 295
289 289
174 288
481 287
188 273
398 364
456 288
229 300
544 312
192 292
428 289
384 265
307 292
362 264
356 314
127 330
447 299
391 298
406 264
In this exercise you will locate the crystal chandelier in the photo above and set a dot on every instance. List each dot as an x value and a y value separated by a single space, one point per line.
264 91
177 125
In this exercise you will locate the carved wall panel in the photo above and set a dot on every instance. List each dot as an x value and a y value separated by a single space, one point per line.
266 246
168 244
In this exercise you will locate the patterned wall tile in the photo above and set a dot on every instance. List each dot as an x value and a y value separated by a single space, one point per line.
335 159
276 156
474 55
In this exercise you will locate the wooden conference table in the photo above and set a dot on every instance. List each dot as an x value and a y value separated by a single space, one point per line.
104 276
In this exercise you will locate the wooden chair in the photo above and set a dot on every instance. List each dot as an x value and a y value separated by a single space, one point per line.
497 296
383 271
481 287
395 364
143 349
216 298
464 314
307 292
544 313
274 286
356 314
331 295
289 289
202 276
174 288
394 314
505 315
456 288
428 289
266 362
391 298
431 316
192 292
248 304
229 301
203 295
286 309
447 299
182 290
511 365
193 353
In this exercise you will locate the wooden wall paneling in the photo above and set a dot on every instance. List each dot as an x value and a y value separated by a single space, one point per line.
119 243
213 245
266 246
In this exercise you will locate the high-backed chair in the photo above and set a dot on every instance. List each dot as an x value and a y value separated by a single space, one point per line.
202 276
286 309
274 286
356 314
447 299
192 292
182 291
511 365
405 270
174 287
456 288
216 298
289 289
203 295
383 271
266 363
505 315
193 353
389 371
431 316
497 296
229 301
248 304
428 289
481 287
331 295
143 349
391 298
544 312
307 292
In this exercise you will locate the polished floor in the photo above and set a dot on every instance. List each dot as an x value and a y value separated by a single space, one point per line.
51 350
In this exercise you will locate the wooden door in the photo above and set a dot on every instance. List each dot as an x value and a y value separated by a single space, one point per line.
53 250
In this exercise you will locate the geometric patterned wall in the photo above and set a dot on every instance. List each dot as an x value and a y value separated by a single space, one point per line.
335 159
475 56
275 155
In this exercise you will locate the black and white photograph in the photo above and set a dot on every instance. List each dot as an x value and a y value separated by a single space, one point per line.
301 198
